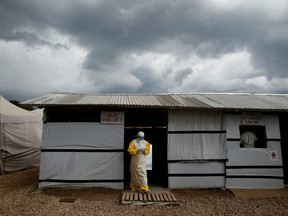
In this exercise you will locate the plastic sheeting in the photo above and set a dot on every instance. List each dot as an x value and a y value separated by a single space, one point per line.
20 137
194 135
84 168
21 146
81 135
195 138
197 174
82 155
254 167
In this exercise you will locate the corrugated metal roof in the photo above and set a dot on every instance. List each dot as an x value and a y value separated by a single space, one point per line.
269 102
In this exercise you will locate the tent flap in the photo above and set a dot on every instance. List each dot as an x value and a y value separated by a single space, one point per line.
20 137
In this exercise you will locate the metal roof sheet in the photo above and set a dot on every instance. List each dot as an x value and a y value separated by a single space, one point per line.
239 101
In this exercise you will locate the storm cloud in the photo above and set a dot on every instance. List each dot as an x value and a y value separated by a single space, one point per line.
142 46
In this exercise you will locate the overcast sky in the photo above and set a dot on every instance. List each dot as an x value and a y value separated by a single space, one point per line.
143 46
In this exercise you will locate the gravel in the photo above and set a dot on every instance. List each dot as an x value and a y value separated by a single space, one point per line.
19 196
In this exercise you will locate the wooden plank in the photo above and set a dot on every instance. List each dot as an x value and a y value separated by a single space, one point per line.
154 197
123 196
149 197
131 196
136 196
169 198
161 197
145 197
127 196
140 197
166 199
157 197
173 197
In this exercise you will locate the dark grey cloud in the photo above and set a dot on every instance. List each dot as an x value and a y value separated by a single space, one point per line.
114 30
113 27
271 55
17 16
110 33
150 83
32 40
179 76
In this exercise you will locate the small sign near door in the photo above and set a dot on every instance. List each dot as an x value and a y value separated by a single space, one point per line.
273 155
149 159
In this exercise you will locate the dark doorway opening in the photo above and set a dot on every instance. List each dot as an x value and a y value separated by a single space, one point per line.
260 133
153 122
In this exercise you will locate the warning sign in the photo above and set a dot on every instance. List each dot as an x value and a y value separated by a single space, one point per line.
112 117
251 118
273 155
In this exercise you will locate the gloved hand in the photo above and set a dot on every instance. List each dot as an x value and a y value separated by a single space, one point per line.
142 150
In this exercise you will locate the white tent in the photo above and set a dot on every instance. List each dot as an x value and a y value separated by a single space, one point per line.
20 137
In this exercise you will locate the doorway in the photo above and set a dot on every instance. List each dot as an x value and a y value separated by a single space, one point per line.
153 122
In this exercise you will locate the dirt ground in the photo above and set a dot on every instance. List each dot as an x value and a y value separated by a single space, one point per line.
19 195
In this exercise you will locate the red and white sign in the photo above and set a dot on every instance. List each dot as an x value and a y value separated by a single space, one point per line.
112 117
273 155
251 118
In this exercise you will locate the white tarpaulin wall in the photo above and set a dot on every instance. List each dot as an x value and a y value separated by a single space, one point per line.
82 155
20 137
254 167
196 149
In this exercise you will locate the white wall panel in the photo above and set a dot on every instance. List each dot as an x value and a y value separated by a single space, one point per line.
81 165
112 185
196 182
254 183
194 135
196 167
232 123
196 174
82 135
272 126
277 172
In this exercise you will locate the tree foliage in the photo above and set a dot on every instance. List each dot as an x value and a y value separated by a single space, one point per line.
17 103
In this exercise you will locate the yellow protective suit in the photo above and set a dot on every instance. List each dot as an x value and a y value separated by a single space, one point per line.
138 149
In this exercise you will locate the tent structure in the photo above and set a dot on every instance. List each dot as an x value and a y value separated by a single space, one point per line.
20 137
